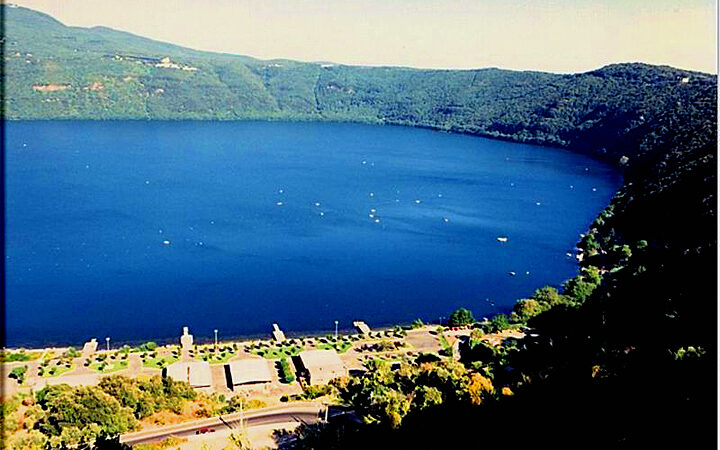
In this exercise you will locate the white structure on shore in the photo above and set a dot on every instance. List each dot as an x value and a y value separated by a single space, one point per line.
186 343
250 371
321 366
277 333
89 348
195 373
362 327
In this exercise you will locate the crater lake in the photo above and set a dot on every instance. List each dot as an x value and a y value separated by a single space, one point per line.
134 229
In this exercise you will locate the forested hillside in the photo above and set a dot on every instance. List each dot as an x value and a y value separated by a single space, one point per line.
623 356
54 71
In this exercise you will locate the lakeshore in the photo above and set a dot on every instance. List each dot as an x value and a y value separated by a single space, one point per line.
285 388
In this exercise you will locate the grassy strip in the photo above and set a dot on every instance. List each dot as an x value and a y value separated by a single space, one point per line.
287 374
219 358
340 346
49 372
19 356
444 342
159 362
107 367
277 352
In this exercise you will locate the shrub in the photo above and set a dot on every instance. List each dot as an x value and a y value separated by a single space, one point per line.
19 373
71 353
286 370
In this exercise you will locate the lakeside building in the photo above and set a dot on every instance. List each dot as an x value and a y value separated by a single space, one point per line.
196 373
321 366
250 371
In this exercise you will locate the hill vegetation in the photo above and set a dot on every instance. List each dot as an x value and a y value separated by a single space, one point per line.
622 356
59 72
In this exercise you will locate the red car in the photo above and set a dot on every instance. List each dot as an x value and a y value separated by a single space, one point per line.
205 430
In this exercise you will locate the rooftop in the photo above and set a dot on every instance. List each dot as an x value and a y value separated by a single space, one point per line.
196 373
253 370
320 358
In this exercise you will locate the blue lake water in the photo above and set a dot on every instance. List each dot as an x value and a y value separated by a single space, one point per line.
135 229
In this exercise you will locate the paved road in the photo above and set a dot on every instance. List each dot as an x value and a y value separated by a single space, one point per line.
297 412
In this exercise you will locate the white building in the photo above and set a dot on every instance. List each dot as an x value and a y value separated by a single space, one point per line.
195 373
321 366
250 371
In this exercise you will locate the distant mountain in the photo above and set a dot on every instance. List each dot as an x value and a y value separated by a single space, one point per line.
59 72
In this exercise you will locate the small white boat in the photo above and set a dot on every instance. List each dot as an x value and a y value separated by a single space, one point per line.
502 239
166 242
279 203
511 273
417 201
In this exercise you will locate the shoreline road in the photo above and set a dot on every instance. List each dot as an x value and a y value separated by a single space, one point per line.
299 412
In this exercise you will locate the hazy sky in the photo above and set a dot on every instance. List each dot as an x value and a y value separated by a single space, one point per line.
548 35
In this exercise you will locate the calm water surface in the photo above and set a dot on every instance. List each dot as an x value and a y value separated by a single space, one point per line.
135 229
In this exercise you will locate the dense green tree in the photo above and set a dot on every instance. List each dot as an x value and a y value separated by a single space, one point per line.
461 317
83 408
527 308
549 295
499 322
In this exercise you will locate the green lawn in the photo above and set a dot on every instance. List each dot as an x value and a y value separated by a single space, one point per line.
49 372
159 362
340 347
213 358
277 352
111 366
21 355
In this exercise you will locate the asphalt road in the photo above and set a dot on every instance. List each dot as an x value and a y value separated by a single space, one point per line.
298 412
